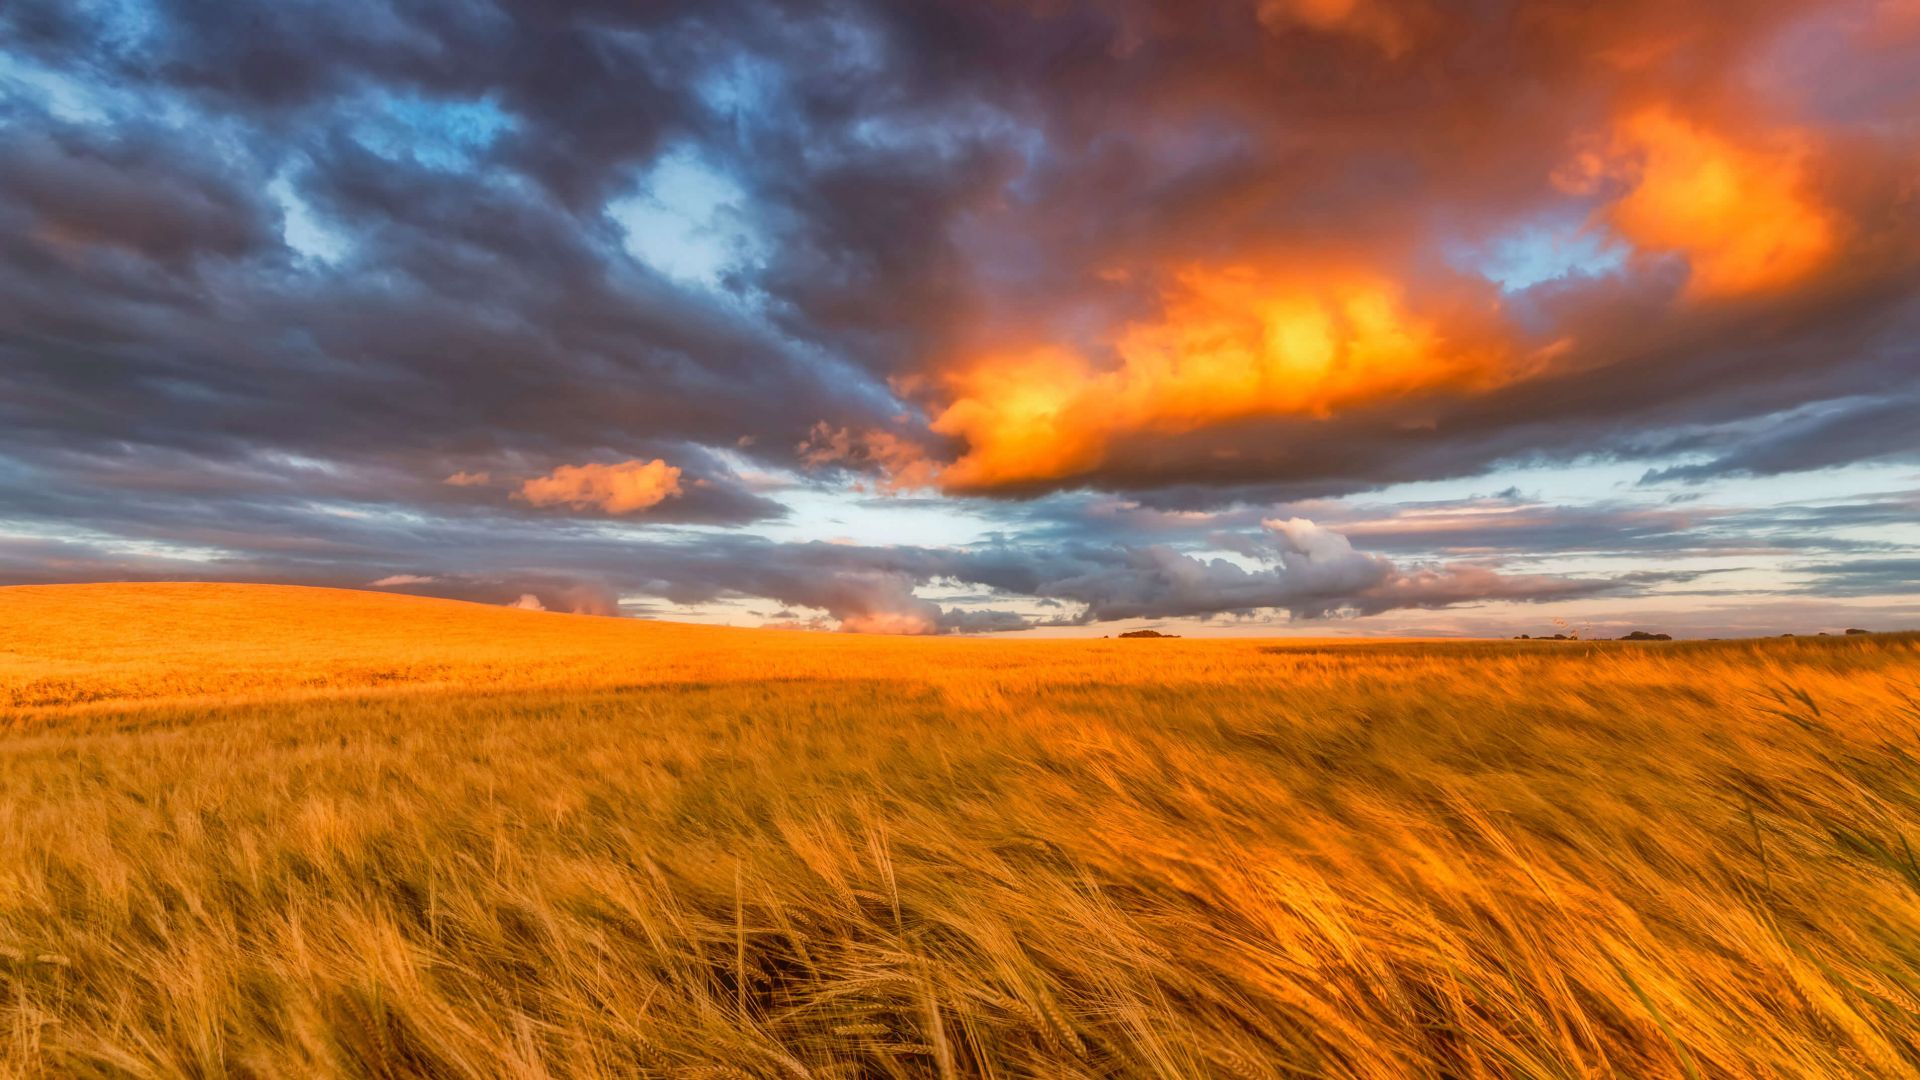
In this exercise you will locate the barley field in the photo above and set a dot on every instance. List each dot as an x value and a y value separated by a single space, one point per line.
275 832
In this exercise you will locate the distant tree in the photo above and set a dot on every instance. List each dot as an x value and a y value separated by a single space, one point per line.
1856 630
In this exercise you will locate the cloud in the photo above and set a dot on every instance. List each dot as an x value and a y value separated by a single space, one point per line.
585 594
1820 435
1081 199
1064 572
888 622
1741 214
624 488
1211 257
1310 572
902 464
1384 25
1862 577
137 192
401 579
1315 573
1231 344
864 595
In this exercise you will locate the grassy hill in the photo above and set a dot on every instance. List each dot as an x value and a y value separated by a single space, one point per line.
275 832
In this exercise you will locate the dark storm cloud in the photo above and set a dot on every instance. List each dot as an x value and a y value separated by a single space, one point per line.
1839 433
468 315
1514 526
1863 577
134 191
1502 527
1317 574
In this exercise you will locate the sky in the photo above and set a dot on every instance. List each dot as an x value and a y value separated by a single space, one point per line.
1051 317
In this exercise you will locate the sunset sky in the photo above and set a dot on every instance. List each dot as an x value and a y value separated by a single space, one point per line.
1256 316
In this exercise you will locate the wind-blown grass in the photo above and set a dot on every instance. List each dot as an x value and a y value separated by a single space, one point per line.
273 833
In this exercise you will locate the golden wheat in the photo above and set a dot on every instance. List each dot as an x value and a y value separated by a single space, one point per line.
277 832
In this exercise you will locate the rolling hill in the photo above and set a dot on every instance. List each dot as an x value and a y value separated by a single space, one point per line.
262 831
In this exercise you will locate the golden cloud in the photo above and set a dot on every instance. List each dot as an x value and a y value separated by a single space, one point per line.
623 488
1741 213
1379 23
1231 343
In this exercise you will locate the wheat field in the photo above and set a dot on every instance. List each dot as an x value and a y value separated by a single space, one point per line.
274 832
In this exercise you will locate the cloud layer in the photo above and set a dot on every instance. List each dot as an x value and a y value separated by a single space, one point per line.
551 298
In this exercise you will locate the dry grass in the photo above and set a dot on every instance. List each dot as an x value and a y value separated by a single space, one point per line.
271 833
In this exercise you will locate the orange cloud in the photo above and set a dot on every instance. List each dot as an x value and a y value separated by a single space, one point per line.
887 622
618 489
1369 20
1741 214
469 479
1232 344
